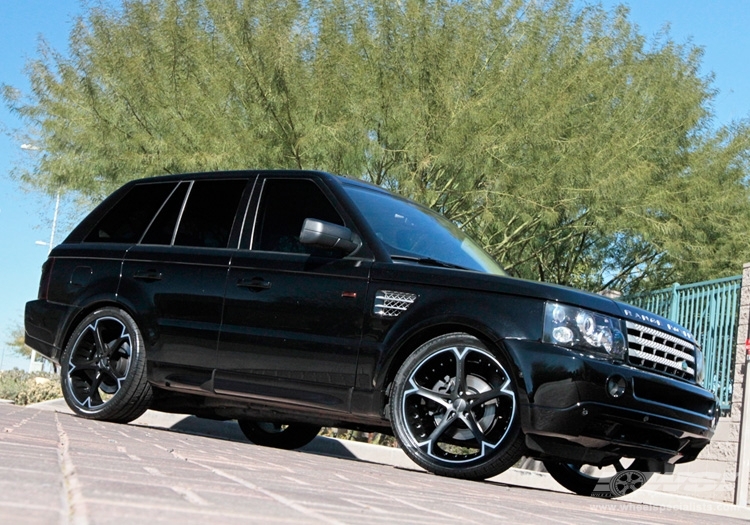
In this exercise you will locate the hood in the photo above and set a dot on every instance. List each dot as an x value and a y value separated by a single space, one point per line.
481 282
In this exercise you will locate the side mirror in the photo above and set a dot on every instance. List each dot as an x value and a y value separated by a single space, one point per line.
326 235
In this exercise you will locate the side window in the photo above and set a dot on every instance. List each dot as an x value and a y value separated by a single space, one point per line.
128 219
284 206
161 230
209 213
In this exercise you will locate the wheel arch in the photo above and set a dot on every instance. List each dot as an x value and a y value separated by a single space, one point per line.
81 313
416 338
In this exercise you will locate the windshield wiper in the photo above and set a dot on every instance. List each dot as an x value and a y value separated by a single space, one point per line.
427 261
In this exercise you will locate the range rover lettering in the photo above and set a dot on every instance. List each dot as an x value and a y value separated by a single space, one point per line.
294 300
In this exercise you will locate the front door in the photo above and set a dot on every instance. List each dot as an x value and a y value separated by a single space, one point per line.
293 315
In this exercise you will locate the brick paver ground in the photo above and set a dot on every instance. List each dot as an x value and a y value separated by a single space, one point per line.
59 469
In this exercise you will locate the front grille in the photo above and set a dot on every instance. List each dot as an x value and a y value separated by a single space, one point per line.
660 352
392 304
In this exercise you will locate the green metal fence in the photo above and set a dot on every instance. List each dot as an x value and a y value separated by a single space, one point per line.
710 310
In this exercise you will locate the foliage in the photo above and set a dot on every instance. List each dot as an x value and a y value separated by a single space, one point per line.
572 149
17 344
25 388
373 438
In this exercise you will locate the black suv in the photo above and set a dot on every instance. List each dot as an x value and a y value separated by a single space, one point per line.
295 300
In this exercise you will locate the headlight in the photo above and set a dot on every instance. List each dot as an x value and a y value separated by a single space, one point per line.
585 330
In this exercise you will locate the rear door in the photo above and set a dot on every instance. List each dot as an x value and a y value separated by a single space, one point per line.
176 277
293 316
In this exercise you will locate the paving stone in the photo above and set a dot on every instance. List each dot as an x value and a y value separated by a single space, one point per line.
59 469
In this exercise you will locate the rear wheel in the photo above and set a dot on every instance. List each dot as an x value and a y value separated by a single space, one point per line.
454 409
277 435
103 370
605 482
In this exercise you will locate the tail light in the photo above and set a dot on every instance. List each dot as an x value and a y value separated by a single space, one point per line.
45 280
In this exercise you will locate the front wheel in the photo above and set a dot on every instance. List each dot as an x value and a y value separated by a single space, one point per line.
606 482
288 437
455 409
103 371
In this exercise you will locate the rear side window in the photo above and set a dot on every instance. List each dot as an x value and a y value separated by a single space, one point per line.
162 229
209 214
129 218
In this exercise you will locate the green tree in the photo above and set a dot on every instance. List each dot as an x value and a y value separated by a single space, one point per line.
572 149
16 343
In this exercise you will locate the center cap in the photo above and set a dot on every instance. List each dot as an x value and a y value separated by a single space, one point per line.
459 405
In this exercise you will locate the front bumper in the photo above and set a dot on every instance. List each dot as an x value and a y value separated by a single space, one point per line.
569 411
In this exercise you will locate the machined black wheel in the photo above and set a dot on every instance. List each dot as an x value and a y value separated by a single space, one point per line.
277 435
455 410
104 368
605 482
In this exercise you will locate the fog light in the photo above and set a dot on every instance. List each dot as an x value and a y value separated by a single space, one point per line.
716 414
616 386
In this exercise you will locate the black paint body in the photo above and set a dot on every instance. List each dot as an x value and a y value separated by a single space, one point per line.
237 331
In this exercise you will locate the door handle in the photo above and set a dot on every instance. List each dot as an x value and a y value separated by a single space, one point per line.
148 275
256 284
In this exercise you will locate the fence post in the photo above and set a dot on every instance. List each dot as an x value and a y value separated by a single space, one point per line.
674 309
741 392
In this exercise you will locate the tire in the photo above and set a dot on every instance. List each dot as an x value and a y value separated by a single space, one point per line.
610 482
454 409
276 435
103 371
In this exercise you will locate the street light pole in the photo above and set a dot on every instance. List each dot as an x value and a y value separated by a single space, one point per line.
50 244
54 223
34 147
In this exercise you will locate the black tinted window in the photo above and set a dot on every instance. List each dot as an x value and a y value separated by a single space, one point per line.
209 213
284 206
128 219
161 230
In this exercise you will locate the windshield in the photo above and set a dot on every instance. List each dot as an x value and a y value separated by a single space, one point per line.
410 230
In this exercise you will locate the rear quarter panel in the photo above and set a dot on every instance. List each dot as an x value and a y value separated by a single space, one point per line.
82 277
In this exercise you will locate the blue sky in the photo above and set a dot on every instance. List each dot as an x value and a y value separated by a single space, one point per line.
721 27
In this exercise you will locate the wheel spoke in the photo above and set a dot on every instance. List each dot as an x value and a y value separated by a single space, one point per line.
84 365
434 438
483 397
108 372
101 346
118 347
460 386
438 397
94 398
471 422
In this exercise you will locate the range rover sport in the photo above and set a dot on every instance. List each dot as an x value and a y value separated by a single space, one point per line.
292 300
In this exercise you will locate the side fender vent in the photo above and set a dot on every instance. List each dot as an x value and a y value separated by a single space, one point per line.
392 304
